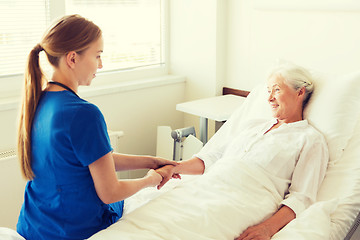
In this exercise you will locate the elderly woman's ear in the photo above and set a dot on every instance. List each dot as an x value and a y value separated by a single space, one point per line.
302 91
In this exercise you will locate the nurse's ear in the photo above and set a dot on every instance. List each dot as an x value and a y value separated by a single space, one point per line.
71 58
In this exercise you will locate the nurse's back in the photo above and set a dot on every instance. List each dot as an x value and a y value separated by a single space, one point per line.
61 201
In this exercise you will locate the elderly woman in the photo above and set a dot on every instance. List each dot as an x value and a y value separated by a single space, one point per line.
286 148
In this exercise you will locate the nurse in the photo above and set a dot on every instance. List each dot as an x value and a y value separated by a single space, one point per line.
63 145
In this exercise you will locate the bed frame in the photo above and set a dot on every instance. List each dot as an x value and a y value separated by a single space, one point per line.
354 232
242 93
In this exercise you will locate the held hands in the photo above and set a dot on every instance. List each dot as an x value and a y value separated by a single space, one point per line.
165 169
167 172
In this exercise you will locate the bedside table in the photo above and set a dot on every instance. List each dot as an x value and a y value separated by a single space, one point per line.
217 108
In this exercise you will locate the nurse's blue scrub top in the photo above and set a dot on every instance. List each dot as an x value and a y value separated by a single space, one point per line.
68 134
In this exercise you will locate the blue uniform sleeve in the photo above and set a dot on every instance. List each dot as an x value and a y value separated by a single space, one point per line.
88 135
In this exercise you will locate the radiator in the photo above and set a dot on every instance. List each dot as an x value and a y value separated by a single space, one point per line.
6 155
12 186
115 139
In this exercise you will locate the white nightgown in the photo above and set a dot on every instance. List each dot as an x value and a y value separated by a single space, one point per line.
294 156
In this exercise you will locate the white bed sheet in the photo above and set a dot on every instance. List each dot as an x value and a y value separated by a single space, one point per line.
9 234
335 111
217 205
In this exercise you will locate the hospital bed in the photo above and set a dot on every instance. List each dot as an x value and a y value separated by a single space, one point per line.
334 109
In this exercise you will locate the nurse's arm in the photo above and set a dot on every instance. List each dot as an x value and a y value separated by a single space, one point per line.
130 162
109 189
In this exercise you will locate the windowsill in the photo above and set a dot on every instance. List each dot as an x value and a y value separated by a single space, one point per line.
12 103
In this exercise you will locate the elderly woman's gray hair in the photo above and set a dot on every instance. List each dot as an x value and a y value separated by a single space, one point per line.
296 77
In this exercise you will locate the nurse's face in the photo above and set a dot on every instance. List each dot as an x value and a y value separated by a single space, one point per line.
89 62
285 102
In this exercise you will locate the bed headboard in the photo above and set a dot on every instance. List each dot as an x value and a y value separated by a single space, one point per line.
242 93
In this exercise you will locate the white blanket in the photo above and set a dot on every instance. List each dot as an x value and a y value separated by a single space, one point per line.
9 234
217 205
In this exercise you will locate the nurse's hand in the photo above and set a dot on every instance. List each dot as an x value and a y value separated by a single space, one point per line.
154 178
159 162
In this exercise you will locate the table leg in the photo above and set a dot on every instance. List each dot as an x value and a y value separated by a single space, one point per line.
203 130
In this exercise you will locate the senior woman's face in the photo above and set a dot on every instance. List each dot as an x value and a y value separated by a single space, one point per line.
285 102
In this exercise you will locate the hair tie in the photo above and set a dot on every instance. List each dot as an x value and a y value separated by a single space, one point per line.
38 48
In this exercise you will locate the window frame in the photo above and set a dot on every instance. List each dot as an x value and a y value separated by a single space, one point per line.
11 85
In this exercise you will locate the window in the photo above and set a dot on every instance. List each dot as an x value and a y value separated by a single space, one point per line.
22 24
133 30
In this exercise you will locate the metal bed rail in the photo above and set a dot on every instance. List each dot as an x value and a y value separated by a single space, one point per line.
354 232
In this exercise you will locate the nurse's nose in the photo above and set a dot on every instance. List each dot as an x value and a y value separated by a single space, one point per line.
100 66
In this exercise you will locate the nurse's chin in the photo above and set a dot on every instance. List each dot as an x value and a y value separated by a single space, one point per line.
88 83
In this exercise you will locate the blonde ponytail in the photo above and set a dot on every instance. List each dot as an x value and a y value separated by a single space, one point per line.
32 91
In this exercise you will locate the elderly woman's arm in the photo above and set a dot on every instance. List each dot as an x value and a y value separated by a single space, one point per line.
269 227
193 166
305 183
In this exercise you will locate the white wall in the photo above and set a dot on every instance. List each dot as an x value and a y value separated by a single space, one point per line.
197 47
139 112
318 34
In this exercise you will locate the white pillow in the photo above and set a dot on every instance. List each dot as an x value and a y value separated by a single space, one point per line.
255 106
342 181
334 110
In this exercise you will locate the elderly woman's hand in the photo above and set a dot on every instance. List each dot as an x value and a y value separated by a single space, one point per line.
266 229
167 172
257 232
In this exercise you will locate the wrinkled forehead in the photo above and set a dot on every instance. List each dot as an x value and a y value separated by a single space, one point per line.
276 80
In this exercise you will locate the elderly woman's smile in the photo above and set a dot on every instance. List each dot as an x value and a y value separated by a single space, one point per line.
286 103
